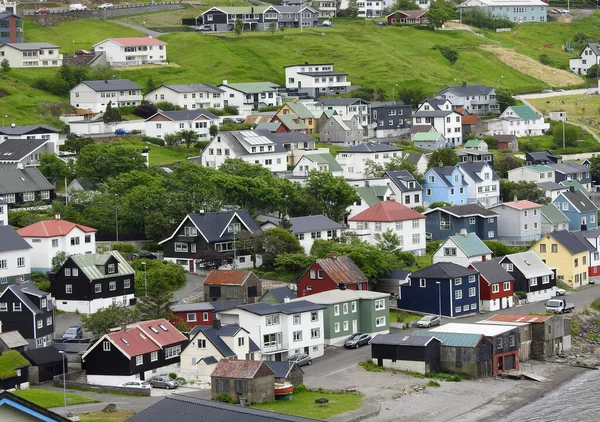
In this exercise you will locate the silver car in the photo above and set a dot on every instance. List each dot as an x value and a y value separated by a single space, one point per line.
163 381
300 359
429 321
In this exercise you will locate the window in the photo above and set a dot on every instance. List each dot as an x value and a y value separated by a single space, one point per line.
88 238
126 284
313 274
533 282
336 327
181 247
191 317
576 262
3 307
74 241
314 316
457 309
172 352
241 341
399 225
471 279
345 327
379 304
495 288
472 291
458 294
201 343
422 282
345 308
377 227
68 288
297 319
506 286
336 310
205 316
55 243
48 321
353 307
457 281
98 288
512 342
472 220
380 321
315 333
415 224
491 234
112 285
542 248
111 268
153 356
74 271
139 360
546 279
416 238
297 335
272 319
565 206
499 343
465 308
106 346
67 272
554 248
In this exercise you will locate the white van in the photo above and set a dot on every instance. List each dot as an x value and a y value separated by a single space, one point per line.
77 6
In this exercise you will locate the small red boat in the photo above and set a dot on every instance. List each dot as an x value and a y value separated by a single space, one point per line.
282 389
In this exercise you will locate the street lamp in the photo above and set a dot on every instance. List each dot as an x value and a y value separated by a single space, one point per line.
439 283
145 281
394 92
62 352
499 80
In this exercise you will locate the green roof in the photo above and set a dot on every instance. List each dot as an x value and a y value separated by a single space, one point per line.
453 339
290 123
426 136
540 168
470 244
371 194
9 361
553 214
270 126
253 87
325 159
525 112
473 143
93 264
577 185
327 113
300 110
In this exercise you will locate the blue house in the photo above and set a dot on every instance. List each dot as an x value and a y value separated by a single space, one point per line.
564 172
448 221
578 208
445 288
444 184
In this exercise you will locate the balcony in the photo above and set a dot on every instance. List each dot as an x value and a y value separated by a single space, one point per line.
445 225
279 347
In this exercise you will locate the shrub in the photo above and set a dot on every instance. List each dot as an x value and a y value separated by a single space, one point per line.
124 247
544 59
201 145
432 383
301 389
596 304
432 246
370 366
181 380
231 110
172 375
145 110
167 106
419 209
521 295
127 109
223 397
153 140
574 327
448 52
268 108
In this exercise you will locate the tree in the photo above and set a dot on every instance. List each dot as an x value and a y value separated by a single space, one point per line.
293 263
522 191
404 5
334 193
373 169
101 321
150 84
171 138
388 241
145 110
211 258
238 27
53 168
504 98
5 64
111 114
352 9
189 137
439 12
213 130
439 204
157 301
99 162
74 143
272 27
412 94
58 260
592 73
443 157
278 241
503 163
170 274
595 167
99 73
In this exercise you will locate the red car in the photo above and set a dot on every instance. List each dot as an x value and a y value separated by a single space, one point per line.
42 11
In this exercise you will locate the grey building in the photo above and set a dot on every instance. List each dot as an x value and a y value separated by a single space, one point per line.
518 221
475 99
390 118
11 28
258 18
572 171
296 16
346 131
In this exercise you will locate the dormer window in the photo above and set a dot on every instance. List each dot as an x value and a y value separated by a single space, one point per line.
110 268
234 228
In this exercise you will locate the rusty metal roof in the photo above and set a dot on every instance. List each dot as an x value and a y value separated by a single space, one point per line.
520 318
222 277
342 269
239 369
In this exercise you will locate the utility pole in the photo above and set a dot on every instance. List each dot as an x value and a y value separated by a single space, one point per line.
116 218
439 299
563 122
234 252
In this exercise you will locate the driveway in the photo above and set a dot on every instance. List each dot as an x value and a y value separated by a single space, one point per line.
64 321
193 289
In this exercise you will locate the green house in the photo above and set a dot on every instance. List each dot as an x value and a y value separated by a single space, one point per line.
276 295
352 311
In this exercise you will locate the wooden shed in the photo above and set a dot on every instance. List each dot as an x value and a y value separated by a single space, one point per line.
248 381
406 353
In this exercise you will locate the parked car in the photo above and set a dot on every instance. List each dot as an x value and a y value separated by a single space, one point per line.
547 91
122 132
42 11
561 292
73 332
300 359
82 53
326 22
429 321
77 6
204 28
136 384
356 340
106 6
381 24
563 11
163 381
555 11
233 120
143 255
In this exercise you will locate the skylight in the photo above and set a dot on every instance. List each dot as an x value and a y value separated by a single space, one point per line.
154 330
526 262
162 327
124 341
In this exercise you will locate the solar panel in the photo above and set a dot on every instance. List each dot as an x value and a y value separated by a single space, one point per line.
252 138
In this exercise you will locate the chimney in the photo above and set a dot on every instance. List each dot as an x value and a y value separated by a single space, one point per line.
464 84
217 323
332 254
18 280
201 212
224 81
342 286
124 327
515 198
572 188
286 299
57 216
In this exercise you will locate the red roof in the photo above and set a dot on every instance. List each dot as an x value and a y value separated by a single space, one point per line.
52 228
342 269
388 211
519 318
138 41
469 120
227 277
133 342
522 204
162 331
460 110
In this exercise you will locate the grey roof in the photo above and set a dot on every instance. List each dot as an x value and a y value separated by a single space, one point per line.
413 157
403 175
183 88
284 138
442 172
22 290
529 263
443 270
281 293
435 102
433 113
313 223
214 336
581 202
573 243
492 271
569 168
402 340
371 147
290 9
281 369
26 46
42 355
71 347
236 137
88 186
210 360
112 85
467 210
10 240
212 224
226 305
92 265
340 101
185 307
24 130
472 168
396 275
454 339
178 408
13 339
551 186
467 90
17 149
285 308
29 179
184 115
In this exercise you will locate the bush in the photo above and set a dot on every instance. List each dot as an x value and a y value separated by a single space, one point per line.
268 108
167 106
521 295
480 19
432 383
231 110
145 110
201 145
419 209
301 389
370 366
181 380
432 246
124 248
127 109
596 304
153 140
544 59
500 249
224 398
448 52
172 375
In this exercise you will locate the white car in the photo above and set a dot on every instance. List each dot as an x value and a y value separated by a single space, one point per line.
561 292
106 6
137 384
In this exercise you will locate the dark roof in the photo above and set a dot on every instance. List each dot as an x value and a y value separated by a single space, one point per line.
88 186
281 293
371 147
283 138
42 356
568 168
403 175
543 155
71 347
24 130
22 290
402 340
285 308
178 408
184 115
340 101
182 88
29 179
210 360
281 369
413 157
112 85
396 275
492 271
505 138
313 223
472 168
443 270
33 411
214 223
573 243
11 241
578 199
342 269
214 336
239 369
17 149
466 210
435 102
551 186
466 90
30 46
192 307
226 305
442 172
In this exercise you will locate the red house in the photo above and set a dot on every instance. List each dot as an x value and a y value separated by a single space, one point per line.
409 17
193 314
334 272
496 286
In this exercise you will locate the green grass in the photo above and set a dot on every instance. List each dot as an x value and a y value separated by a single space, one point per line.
160 155
403 317
49 399
303 404
432 383
333 149
370 366
441 376
596 304
585 144
584 109
9 361
118 416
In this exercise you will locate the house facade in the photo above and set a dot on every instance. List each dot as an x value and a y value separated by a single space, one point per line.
537 173
15 257
316 79
338 130
299 110
331 273
553 219
579 209
31 54
475 99
49 237
496 286
355 160
518 221
444 184
21 153
249 381
226 285
442 117
170 122
11 25
407 190
193 314
406 353
308 229
408 17
188 96
95 95
532 276
320 162
589 56
483 184
523 121
391 118
248 96
258 18
462 249
593 237
132 51
20 187
570 172
429 141
521 11
347 107
444 288
24 132
474 218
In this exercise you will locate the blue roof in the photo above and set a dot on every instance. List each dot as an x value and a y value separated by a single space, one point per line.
453 339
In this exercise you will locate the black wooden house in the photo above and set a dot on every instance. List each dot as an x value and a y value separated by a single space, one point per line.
406 353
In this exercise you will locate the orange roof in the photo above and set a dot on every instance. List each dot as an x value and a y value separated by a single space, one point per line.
388 211
469 120
227 277
519 318
522 204
460 110
52 228
138 41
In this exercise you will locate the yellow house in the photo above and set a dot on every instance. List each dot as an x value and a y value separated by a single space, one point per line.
302 113
568 254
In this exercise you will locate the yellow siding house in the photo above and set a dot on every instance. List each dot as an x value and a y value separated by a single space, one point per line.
302 113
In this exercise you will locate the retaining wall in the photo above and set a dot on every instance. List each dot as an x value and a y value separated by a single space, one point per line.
117 10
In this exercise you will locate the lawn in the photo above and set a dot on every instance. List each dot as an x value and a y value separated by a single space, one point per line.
49 399
9 361
333 149
396 316
161 155
585 144
303 404
118 416
580 108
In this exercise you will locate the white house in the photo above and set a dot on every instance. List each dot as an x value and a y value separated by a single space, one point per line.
406 223
536 173
369 196
316 79
406 189
308 229
49 237
15 255
132 51
31 132
281 330
21 153
462 249
354 159
188 96
368 9
483 184
475 99
164 122
440 115
321 162
95 95
34 54
522 121
346 107
3 212
589 56
247 145
326 8
250 96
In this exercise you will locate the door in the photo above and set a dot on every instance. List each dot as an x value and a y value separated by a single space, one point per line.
299 84
354 326
483 258
509 362
45 342
191 265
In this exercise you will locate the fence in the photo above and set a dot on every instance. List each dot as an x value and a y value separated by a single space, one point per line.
71 383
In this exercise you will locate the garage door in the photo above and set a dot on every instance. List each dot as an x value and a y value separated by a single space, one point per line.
509 362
